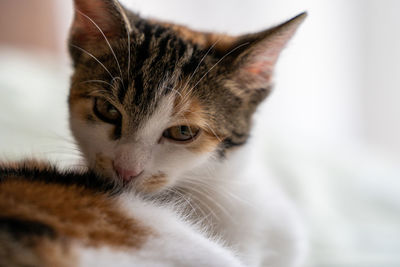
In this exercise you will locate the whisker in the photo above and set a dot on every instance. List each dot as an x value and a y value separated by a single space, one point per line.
129 56
221 190
67 149
187 123
88 53
175 91
104 94
105 38
176 192
128 32
187 201
98 81
204 194
201 61
61 153
208 126
118 78
210 210
214 133
227 54
216 203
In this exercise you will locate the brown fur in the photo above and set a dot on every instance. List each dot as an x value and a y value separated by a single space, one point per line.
220 42
73 212
190 112
40 252
103 162
83 107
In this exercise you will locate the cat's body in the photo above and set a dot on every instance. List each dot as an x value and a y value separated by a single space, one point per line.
50 218
240 203
248 210
167 111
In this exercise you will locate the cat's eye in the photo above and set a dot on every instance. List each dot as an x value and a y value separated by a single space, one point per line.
182 133
105 111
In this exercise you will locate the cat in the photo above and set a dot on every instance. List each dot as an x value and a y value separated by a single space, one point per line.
52 218
166 111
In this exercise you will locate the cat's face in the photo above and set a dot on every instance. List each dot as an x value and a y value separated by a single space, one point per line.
151 102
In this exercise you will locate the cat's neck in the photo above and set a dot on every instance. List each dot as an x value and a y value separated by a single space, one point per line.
226 196
229 168
225 184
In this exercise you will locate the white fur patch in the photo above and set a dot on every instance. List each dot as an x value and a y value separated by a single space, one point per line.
174 243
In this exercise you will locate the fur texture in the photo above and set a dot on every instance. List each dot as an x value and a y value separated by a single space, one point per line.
52 218
136 80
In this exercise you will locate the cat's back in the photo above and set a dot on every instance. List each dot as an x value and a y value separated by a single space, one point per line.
53 218
46 214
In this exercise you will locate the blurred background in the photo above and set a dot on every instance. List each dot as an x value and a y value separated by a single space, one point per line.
330 130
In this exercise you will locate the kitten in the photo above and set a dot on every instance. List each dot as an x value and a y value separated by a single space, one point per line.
50 218
166 111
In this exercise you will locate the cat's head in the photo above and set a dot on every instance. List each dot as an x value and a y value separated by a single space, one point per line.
151 102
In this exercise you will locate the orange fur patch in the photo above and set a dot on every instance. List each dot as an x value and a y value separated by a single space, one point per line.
72 211
55 254
154 183
207 142
191 112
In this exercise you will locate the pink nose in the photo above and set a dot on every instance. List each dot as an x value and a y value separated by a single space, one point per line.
127 175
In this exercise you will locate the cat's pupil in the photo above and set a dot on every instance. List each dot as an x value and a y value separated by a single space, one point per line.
112 110
185 130
106 111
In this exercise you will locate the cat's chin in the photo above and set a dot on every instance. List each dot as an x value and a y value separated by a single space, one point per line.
150 184
145 184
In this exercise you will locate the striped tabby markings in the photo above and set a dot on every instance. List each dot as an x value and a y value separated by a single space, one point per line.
221 42
82 107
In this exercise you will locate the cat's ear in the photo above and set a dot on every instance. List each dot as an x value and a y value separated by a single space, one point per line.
256 54
95 20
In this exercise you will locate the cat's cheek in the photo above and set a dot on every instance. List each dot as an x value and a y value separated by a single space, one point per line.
89 136
206 143
185 167
104 165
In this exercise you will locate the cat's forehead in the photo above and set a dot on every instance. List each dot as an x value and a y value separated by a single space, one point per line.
158 60
141 103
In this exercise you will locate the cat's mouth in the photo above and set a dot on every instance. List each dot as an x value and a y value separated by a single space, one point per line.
142 182
147 184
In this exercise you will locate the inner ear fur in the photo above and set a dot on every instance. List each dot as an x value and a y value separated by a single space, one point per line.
96 19
254 61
